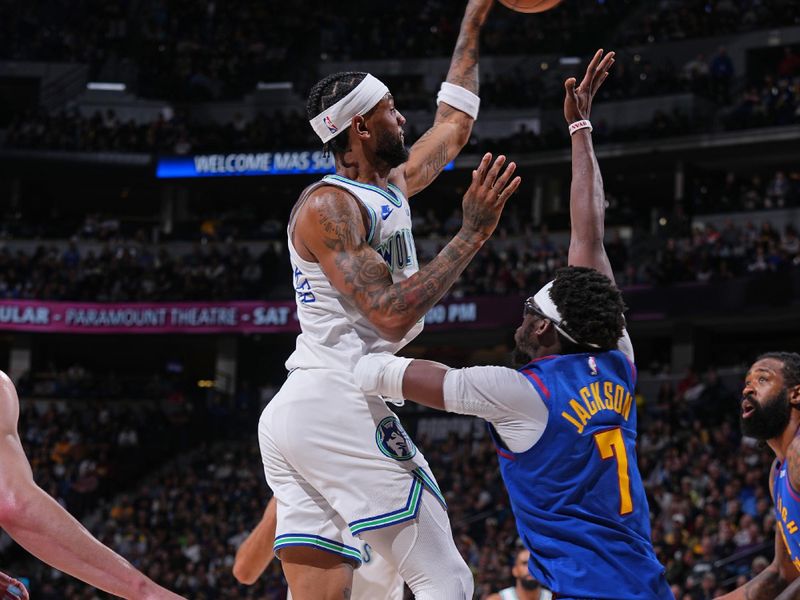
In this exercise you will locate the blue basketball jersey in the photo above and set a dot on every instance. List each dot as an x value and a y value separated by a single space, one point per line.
577 494
787 512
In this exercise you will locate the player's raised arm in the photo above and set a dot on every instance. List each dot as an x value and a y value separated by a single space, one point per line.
587 199
40 525
458 108
331 228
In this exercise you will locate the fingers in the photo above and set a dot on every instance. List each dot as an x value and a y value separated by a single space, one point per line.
602 71
479 174
591 69
491 176
500 184
509 191
569 86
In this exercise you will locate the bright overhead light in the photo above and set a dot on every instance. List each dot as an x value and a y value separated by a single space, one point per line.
105 86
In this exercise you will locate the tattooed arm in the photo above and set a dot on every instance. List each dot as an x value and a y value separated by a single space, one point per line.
330 228
451 127
772 582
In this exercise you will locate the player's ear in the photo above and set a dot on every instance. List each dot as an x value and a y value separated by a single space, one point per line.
794 396
360 126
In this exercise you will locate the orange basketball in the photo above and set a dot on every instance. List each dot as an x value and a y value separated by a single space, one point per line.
530 6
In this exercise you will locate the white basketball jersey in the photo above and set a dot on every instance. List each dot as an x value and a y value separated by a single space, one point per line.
334 333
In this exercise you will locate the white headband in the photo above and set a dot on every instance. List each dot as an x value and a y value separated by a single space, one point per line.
334 119
549 309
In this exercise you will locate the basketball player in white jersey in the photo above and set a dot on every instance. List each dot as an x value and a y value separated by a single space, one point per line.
375 580
339 462
526 587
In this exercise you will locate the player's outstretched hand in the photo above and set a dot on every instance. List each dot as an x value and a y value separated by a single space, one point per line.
487 195
578 100
11 589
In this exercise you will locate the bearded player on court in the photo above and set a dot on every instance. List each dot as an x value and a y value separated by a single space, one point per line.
339 462
564 424
771 413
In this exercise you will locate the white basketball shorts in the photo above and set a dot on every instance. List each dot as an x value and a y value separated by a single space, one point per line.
376 579
339 463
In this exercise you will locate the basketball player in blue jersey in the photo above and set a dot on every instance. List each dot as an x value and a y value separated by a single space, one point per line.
339 462
565 423
771 413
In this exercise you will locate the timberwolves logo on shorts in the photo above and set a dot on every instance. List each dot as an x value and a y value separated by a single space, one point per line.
393 440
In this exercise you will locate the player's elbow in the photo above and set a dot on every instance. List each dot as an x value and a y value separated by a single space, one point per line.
13 509
462 129
244 575
393 329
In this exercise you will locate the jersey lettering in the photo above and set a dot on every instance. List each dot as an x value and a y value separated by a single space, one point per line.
303 288
614 397
398 250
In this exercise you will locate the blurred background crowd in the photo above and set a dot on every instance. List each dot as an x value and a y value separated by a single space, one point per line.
150 439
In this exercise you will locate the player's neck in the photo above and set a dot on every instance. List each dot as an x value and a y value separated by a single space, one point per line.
355 166
781 444
524 594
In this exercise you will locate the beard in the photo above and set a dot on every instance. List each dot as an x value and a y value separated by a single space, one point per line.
529 584
391 150
768 421
520 357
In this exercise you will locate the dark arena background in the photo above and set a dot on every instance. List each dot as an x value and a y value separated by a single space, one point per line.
151 151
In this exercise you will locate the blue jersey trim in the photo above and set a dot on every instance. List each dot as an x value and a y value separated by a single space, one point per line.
373 218
408 512
429 483
367 186
315 541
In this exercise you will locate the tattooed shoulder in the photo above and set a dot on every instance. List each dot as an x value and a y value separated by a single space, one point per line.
336 217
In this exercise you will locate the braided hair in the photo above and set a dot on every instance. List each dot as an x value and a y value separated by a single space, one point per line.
328 92
591 308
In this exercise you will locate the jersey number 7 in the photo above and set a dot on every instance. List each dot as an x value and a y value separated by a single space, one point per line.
612 445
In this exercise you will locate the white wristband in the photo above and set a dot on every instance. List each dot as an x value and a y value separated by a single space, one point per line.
578 125
460 98
381 374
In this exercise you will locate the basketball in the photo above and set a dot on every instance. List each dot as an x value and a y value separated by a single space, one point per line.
530 6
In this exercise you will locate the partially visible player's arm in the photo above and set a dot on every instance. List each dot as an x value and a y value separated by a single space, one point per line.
772 582
587 199
451 127
256 551
500 395
40 525
330 227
